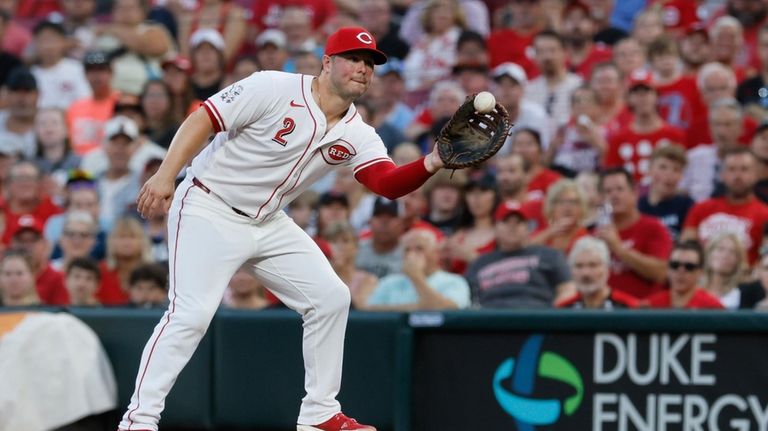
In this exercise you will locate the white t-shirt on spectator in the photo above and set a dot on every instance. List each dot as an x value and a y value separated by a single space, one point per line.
700 173
556 101
62 84
23 144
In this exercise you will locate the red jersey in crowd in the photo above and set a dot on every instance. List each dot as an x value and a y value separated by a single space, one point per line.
44 210
701 299
110 291
679 102
676 15
649 237
713 216
266 14
632 150
51 288
538 185
508 45
599 53
699 134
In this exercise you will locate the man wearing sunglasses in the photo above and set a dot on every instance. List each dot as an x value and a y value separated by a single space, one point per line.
685 267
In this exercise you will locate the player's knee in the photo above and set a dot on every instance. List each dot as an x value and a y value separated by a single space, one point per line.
196 320
337 298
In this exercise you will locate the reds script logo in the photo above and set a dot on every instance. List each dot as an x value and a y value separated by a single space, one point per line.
338 153
365 38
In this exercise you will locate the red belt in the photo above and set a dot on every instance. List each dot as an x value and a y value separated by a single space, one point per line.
202 187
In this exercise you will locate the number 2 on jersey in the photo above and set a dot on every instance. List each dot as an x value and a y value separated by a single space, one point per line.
288 126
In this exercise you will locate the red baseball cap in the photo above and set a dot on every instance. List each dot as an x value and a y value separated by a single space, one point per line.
640 78
508 208
27 222
348 39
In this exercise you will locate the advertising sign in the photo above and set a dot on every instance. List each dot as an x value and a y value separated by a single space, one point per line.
601 381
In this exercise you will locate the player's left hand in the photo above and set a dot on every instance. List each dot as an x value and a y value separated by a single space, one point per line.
433 162
155 196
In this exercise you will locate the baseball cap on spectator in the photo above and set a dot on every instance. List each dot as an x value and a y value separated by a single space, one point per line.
511 70
576 5
640 78
96 60
348 39
393 65
509 208
207 35
332 197
385 206
27 222
179 62
271 36
121 126
21 79
697 27
49 25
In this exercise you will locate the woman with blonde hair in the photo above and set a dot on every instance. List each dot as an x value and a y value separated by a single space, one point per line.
565 210
128 247
343 240
724 268
433 56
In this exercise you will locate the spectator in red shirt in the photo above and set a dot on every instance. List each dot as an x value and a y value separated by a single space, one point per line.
715 82
727 37
27 234
694 48
128 247
17 280
513 40
685 267
590 262
24 197
527 143
738 211
578 29
679 100
632 146
639 244
612 112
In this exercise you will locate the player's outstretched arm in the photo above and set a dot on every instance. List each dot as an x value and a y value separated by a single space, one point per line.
191 137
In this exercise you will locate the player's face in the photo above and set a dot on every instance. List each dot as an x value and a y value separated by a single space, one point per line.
590 273
351 73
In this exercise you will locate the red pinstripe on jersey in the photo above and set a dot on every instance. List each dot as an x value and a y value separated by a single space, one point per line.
309 144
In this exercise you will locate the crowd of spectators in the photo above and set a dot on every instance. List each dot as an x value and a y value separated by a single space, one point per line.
635 175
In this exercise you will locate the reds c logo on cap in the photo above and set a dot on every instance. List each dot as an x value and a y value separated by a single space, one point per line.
365 38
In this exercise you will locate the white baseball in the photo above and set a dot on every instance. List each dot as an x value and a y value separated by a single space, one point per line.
484 102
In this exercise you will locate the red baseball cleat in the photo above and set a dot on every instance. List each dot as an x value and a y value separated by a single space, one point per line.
337 423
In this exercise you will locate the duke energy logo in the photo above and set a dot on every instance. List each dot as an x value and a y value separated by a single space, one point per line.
514 385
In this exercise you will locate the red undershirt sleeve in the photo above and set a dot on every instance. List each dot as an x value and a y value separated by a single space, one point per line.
391 181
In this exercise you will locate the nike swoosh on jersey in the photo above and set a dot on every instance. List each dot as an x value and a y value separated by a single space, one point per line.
296 105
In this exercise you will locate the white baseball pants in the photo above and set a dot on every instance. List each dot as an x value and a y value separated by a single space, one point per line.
208 242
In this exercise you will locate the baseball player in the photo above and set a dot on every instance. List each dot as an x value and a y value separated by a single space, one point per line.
276 133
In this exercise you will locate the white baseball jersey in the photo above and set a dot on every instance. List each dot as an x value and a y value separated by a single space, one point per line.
273 143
